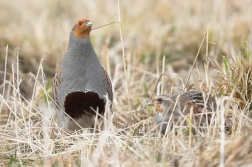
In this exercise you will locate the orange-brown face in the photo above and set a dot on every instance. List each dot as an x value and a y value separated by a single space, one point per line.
158 105
159 108
82 28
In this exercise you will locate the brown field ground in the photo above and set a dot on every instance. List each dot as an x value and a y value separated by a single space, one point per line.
197 45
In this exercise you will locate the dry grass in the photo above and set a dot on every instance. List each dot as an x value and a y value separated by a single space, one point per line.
28 133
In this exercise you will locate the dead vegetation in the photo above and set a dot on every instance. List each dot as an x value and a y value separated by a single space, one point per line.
28 133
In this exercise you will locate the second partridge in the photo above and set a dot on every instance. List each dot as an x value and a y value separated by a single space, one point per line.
181 104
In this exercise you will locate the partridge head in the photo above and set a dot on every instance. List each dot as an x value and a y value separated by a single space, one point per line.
81 83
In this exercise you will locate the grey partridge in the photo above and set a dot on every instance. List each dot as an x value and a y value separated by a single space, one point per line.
166 104
81 83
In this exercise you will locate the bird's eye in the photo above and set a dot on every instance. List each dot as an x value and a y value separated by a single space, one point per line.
80 23
159 101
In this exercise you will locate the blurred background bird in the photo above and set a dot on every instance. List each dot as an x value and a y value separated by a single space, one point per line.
180 105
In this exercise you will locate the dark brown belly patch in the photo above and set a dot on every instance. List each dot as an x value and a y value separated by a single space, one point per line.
78 103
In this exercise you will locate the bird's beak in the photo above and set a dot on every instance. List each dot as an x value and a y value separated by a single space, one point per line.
89 23
150 103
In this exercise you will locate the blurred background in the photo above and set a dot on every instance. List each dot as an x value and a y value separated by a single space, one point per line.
150 29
